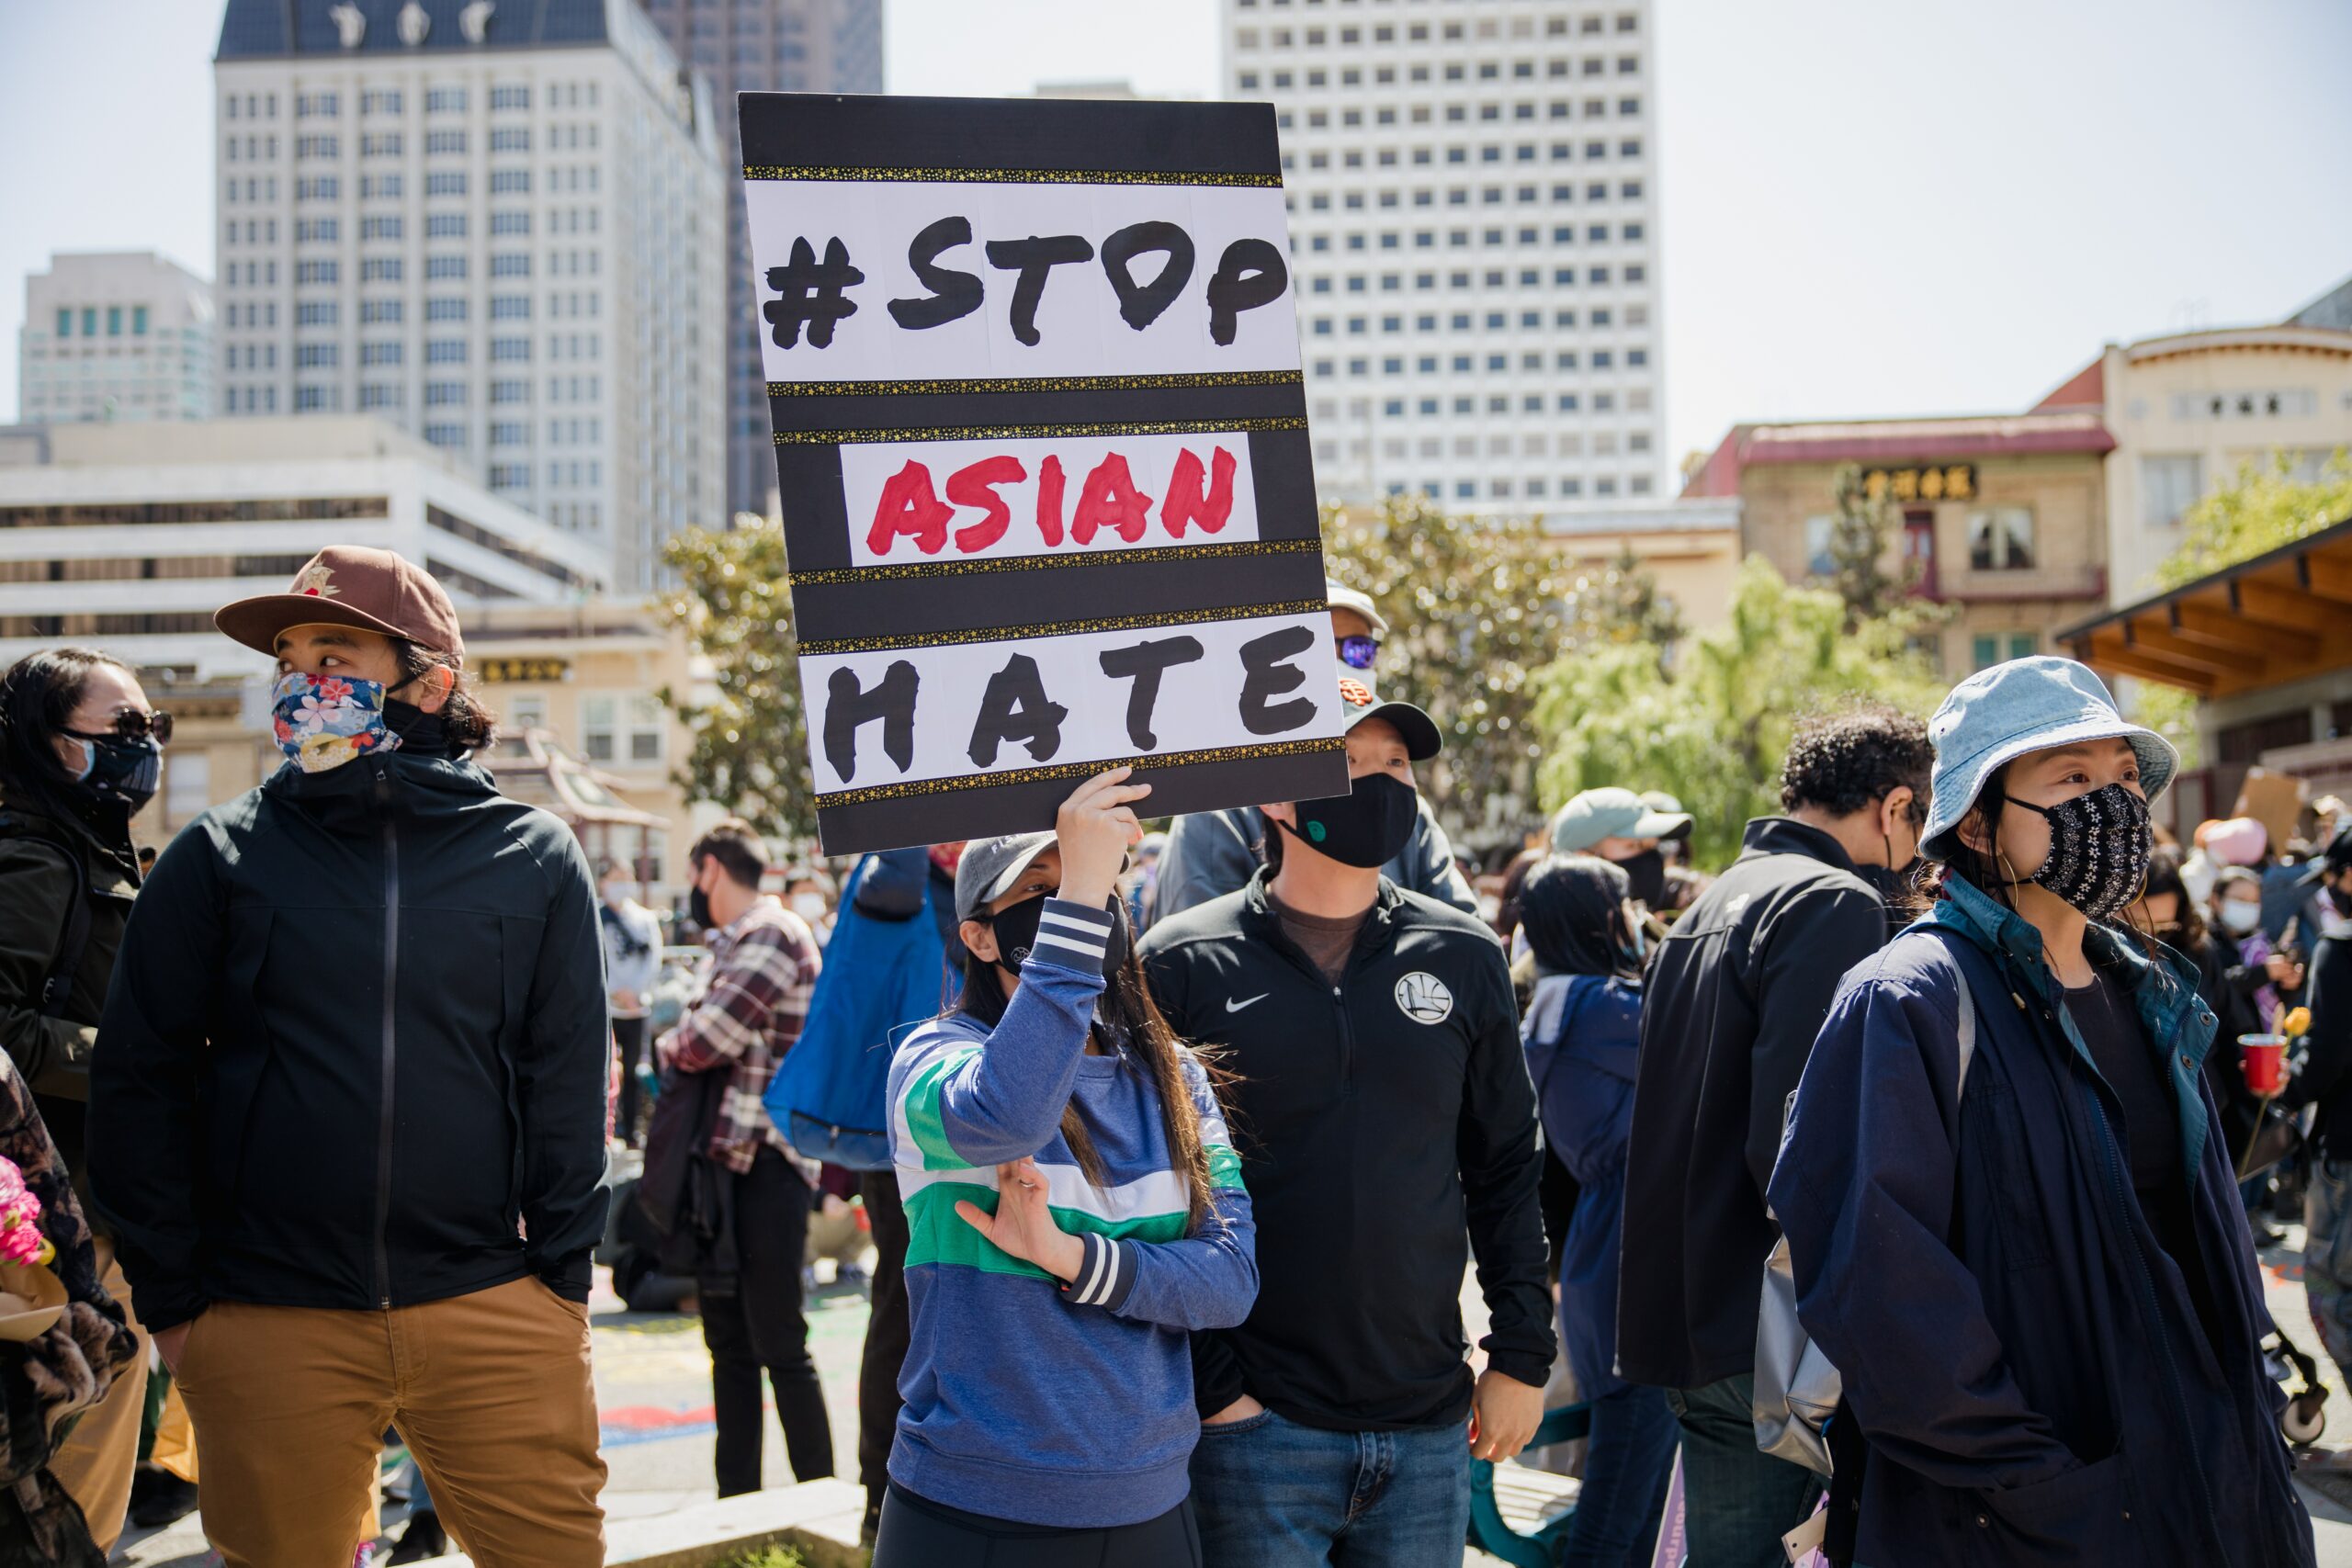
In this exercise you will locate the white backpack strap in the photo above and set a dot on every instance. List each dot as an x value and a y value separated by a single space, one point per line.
1967 1024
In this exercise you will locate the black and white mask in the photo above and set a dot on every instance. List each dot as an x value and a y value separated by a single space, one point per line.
2099 846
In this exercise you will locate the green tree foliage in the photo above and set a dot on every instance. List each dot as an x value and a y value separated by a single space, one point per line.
1712 728
750 739
2265 507
1475 609
1861 533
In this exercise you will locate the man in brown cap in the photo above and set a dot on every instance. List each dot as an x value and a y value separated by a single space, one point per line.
347 1111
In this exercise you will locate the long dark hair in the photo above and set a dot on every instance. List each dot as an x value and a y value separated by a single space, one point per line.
1573 911
38 696
1126 1006
470 726
2163 876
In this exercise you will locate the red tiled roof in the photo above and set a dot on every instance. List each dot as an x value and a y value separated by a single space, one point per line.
2086 388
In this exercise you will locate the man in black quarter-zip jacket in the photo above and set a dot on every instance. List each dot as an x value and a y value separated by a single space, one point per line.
1381 1106
347 1115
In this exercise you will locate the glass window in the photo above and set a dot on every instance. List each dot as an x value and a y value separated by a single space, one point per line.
2001 539
1984 651
646 723
598 722
1817 531
2169 486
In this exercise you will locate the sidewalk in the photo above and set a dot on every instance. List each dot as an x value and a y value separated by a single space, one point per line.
654 1390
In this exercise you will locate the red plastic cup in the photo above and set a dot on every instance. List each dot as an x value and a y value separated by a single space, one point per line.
2263 1058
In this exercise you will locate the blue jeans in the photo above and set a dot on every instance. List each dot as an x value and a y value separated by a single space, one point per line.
1626 1468
1737 1500
1272 1494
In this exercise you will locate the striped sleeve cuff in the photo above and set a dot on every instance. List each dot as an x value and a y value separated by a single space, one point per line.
1105 1275
1073 936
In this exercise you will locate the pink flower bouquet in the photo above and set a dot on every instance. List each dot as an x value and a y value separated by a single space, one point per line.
31 1299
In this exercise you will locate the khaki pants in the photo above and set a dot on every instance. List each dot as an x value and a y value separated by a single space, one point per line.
96 1463
492 1390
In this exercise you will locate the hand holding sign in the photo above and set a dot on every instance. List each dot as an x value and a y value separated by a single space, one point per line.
1096 826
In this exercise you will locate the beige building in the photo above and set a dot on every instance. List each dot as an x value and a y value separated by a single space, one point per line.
1691 548
2187 412
2003 518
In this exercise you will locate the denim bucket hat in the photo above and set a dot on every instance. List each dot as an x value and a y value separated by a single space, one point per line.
2028 704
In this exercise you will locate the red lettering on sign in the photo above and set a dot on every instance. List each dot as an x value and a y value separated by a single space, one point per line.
910 507
1109 500
976 486
1049 500
1185 503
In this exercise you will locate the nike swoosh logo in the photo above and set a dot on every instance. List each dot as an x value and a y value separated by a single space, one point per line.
1232 1006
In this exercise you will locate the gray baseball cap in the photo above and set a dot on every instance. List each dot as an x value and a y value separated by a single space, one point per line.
1612 813
990 867
1342 597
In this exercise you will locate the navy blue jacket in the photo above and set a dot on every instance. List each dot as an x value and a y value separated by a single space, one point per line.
2028 1364
1584 1035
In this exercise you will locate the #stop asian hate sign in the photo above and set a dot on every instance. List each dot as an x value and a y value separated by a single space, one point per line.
1041 440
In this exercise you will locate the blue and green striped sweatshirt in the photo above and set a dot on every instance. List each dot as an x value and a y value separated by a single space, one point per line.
1025 1399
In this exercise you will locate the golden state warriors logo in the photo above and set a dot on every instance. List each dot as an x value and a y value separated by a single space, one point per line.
1424 998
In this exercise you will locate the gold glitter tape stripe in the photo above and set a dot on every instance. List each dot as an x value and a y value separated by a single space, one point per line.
1041 384
844 171
1061 629
1019 432
1145 557
914 788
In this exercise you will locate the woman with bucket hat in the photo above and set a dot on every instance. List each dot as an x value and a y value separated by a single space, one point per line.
2014 1229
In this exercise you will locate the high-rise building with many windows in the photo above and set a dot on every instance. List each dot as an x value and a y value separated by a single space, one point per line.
114 335
498 225
763 46
1474 242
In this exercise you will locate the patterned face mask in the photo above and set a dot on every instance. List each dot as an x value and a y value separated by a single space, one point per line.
324 721
2099 845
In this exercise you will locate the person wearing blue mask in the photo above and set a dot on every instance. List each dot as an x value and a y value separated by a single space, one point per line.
81 752
2013 1226
347 1105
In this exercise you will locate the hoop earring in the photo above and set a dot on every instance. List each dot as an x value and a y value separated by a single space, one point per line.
2009 871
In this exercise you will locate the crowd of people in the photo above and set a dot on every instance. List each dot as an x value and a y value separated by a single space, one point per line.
1176 1147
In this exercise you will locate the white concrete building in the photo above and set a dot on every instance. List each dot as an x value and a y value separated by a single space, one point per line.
129 537
502 227
1474 241
115 335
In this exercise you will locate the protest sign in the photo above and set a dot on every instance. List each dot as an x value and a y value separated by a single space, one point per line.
1041 440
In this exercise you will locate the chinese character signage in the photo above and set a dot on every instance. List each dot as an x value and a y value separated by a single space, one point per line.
1041 441
1946 481
539 669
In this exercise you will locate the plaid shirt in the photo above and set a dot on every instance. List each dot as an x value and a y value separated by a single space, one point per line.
763 970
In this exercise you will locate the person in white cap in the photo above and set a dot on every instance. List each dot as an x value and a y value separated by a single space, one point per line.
1212 853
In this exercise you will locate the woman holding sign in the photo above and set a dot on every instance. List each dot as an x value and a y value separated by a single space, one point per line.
1073 1210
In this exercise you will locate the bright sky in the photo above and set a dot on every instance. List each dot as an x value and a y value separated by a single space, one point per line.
1871 207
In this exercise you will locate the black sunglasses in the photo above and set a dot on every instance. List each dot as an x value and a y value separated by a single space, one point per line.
1357 652
132 724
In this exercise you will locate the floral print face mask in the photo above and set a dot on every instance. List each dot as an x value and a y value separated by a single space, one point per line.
324 721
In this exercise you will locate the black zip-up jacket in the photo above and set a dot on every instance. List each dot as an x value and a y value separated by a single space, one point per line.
1736 992
2326 1077
1377 1121
355 1049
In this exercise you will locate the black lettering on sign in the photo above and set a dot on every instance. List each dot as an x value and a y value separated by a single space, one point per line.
954 294
1141 303
813 292
1267 673
849 707
1033 258
1015 707
1145 663
1249 274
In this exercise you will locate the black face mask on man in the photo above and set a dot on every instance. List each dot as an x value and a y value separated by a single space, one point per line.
1647 872
2099 847
1364 827
1016 933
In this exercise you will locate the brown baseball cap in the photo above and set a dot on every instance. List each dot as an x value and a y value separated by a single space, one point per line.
345 585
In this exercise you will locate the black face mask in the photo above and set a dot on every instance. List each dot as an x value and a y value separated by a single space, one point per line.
124 769
2099 846
427 734
1016 933
698 907
1364 827
1647 872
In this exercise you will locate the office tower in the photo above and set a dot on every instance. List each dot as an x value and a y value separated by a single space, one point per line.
115 335
763 46
1474 241
499 226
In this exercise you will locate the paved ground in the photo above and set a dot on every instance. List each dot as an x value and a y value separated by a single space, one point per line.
654 1388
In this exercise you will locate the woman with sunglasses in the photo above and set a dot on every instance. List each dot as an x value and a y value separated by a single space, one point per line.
1074 1210
80 753
2014 1223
